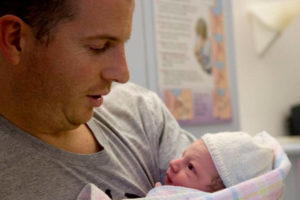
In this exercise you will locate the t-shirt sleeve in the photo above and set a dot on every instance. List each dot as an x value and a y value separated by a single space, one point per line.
172 139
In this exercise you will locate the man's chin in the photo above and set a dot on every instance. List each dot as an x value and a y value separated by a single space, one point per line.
82 118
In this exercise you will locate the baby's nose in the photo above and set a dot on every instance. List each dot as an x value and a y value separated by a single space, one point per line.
175 165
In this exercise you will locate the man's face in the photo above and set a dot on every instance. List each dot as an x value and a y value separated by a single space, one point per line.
195 169
61 82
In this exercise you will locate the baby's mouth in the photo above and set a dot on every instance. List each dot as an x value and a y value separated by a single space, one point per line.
168 180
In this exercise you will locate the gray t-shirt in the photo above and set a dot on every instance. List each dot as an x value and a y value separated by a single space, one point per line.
139 137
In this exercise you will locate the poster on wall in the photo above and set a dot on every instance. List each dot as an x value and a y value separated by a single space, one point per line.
191 60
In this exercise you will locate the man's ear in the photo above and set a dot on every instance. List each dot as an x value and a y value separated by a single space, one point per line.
11 40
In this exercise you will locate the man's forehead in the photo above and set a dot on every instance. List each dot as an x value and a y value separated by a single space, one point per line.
105 3
101 19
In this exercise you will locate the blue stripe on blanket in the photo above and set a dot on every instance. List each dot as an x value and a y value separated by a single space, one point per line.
208 198
282 173
235 194
280 159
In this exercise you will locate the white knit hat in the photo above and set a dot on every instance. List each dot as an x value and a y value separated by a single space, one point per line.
238 156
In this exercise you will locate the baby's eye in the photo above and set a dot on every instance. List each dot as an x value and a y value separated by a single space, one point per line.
191 166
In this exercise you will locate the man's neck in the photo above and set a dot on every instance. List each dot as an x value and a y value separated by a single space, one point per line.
77 139
80 140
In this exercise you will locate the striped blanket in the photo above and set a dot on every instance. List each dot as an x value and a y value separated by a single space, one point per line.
269 186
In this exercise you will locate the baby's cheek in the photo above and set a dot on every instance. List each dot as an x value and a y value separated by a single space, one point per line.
181 181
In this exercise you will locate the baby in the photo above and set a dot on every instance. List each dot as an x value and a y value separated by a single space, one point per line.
217 161
214 162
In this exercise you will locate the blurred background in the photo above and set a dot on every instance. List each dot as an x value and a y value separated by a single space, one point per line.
263 87
268 85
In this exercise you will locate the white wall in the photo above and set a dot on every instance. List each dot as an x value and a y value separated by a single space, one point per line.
267 86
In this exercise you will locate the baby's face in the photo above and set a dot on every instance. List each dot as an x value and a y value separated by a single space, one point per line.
195 169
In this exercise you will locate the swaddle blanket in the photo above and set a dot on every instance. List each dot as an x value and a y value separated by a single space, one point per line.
269 186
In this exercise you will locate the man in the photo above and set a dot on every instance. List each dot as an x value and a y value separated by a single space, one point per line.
58 60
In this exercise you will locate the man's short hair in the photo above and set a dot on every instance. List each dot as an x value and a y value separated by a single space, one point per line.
41 15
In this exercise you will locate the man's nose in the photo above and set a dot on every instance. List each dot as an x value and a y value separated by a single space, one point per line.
117 70
175 165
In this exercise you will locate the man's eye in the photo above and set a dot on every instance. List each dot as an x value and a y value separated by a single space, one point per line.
102 49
